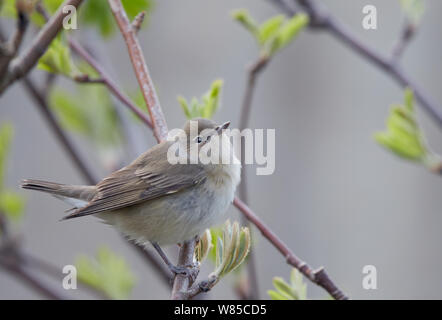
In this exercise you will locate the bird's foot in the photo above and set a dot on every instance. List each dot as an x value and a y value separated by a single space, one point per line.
191 271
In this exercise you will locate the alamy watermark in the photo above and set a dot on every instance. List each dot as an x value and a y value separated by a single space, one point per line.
221 145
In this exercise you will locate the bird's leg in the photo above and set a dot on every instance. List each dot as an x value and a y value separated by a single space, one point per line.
188 271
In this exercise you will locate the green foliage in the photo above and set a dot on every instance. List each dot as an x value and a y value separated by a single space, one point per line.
57 59
403 135
11 203
89 112
295 290
98 14
231 250
107 273
6 133
413 9
274 34
206 106
95 13
246 20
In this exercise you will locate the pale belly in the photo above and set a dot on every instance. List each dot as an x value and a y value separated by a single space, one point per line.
173 218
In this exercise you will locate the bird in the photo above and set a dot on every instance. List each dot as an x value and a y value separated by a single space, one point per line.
152 200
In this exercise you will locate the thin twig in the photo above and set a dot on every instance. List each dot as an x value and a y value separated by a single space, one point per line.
254 70
10 260
108 81
141 71
41 103
406 35
138 21
22 64
10 49
319 19
318 276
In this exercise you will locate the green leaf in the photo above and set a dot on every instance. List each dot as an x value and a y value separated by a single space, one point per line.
299 287
268 29
6 133
107 273
8 9
12 204
403 135
244 18
288 32
413 9
296 290
57 59
97 13
204 246
206 106
276 295
283 288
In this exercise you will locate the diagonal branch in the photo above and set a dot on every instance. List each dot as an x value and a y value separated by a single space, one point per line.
318 276
41 103
320 19
108 81
22 64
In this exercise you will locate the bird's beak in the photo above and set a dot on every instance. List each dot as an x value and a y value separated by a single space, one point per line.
225 125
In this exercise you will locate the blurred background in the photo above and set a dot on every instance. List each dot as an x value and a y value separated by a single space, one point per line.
336 198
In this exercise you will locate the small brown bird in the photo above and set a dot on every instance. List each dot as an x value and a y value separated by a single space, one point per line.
152 200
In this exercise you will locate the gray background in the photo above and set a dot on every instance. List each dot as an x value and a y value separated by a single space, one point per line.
336 198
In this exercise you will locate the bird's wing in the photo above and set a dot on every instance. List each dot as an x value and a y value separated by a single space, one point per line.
150 176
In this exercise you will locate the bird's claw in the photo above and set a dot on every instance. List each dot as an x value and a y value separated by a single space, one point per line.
191 271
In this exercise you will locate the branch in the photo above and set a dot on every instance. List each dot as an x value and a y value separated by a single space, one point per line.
318 276
10 49
41 103
141 71
181 283
22 64
407 33
108 81
323 20
10 260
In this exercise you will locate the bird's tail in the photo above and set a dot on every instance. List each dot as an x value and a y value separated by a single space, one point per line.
74 195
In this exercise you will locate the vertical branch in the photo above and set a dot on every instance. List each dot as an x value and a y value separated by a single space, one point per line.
141 71
252 74
319 276
181 282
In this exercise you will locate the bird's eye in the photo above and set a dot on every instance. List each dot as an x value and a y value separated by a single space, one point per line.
199 139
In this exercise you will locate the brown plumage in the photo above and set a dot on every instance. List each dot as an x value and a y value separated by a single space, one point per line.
148 177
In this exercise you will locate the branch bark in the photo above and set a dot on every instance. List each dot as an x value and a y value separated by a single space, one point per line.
252 74
141 71
181 283
319 276
22 64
